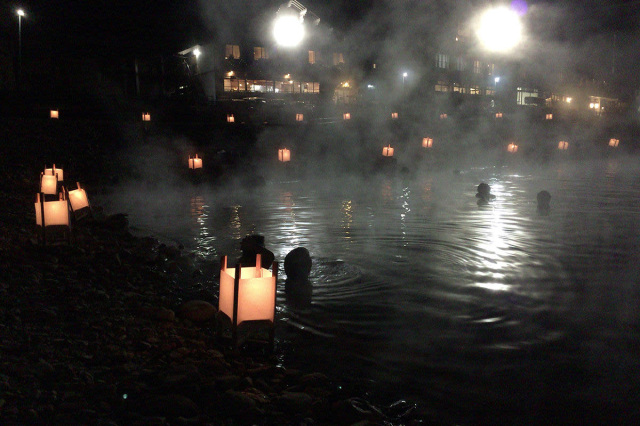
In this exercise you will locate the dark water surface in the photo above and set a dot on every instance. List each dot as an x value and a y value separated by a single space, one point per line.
493 314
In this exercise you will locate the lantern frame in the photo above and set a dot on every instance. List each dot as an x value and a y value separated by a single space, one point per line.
55 171
248 295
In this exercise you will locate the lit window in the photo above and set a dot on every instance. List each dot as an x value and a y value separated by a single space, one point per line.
474 90
232 51
442 60
476 67
312 57
442 86
260 53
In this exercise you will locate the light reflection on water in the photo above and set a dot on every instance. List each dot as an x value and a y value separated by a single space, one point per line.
420 293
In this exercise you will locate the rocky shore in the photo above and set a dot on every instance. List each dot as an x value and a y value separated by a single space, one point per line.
102 331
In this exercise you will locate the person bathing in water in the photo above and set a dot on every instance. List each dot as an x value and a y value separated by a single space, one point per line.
297 266
484 194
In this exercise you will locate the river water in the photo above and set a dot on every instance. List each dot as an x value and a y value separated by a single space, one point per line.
482 314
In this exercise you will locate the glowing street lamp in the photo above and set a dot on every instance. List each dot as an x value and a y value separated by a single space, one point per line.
500 29
288 28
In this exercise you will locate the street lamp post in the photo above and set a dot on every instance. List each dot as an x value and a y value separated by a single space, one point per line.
20 14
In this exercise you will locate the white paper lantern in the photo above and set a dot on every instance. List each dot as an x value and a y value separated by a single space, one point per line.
55 171
284 155
387 151
195 162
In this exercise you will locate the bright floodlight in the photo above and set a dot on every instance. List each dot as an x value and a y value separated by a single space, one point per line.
288 30
500 29
20 12
196 52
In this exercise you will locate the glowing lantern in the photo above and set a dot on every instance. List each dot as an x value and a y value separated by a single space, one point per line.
53 171
498 115
51 213
299 117
387 151
54 113
443 116
512 147
195 162
563 145
284 155
614 142
79 202
231 118
549 116
394 115
346 116
427 142
248 294
48 184
146 116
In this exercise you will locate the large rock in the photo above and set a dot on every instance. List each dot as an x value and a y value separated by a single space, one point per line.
197 311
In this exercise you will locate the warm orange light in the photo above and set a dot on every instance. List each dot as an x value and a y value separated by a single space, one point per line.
299 117
284 155
55 212
427 142
443 116
563 145
195 162
48 184
146 116
512 147
53 113
614 142
78 199
346 116
394 115
230 118
498 115
53 171
549 116
256 290
387 151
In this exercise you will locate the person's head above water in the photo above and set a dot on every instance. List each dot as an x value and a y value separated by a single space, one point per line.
297 264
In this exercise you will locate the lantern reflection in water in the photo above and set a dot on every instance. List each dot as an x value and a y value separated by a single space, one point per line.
195 162
248 294
427 142
563 146
54 113
613 142
284 155
512 147
387 151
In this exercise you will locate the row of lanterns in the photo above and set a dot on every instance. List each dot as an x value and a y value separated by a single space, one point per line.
54 204
562 145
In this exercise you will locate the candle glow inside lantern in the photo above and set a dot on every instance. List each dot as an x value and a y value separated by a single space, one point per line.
299 117
284 155
53 171
427 142
613 142
195 162
48 184
512 147
443 116
498 115
563 146
346 116
55 212
394 115
79 202
54 113
231 118
549 117
146 116
248 294
387 151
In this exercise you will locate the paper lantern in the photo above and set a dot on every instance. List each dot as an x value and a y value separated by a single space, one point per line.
146 116
387 151
427 142
443 116
563 145
549 116
54 113
53 171
394 115
231 118
284 155
512 147
248 294
299 117
195 162
346 116
614 142
55 212
48 184
498 115
79 202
